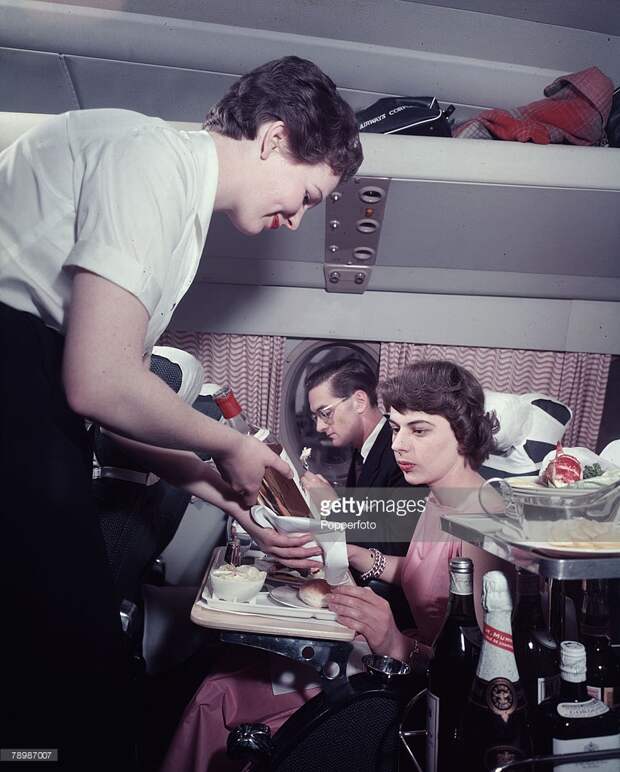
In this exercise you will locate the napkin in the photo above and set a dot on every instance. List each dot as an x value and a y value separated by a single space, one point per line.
327 535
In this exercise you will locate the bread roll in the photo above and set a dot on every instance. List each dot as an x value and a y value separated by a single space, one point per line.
314 593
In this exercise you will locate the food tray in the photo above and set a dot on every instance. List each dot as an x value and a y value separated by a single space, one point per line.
264 615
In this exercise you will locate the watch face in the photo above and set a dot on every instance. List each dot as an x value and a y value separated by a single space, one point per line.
501 697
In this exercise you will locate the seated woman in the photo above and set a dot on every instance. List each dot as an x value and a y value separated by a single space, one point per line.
441 435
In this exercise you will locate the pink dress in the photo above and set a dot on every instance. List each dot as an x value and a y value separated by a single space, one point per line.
240 690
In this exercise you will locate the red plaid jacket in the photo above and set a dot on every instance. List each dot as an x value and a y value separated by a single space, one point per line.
576 111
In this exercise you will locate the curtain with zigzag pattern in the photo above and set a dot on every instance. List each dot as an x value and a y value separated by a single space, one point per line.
252 365
577 379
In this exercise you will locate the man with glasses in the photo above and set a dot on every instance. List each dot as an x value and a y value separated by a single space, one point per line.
343 402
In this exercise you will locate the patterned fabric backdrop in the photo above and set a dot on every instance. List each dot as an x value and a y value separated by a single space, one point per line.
577 379
251 365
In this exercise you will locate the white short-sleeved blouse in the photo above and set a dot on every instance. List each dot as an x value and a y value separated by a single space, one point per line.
118 193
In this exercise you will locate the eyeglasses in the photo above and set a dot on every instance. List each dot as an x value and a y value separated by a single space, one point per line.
326 414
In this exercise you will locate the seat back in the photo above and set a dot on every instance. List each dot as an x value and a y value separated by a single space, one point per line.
354 727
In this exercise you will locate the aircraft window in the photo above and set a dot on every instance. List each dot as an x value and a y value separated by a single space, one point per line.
297 427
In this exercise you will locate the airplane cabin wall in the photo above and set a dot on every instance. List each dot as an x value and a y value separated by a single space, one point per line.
56 57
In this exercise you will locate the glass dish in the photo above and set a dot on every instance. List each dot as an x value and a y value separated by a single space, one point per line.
563 516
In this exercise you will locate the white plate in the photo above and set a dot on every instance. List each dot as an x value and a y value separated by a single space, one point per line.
261 604
288 596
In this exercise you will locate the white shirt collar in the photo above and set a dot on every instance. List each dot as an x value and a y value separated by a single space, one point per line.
370 440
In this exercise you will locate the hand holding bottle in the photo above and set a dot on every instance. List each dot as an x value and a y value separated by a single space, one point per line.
244 466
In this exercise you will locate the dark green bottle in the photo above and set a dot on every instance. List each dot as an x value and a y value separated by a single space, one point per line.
602 675
536 650
451 671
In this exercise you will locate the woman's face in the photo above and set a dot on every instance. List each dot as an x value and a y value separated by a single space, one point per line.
425 448
279 190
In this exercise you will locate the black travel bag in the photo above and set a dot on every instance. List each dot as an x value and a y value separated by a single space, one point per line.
422 116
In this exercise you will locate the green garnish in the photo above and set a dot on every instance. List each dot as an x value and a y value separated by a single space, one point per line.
592 470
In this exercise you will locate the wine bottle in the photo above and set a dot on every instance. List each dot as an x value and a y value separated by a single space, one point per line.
451 672
573 721
280 493
536 651
601 677
495 726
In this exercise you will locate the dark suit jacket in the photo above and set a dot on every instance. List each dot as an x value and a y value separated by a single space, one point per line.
380 469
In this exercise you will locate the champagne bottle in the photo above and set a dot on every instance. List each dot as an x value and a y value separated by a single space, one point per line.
495 727
283 495
573 721
536 651
451 672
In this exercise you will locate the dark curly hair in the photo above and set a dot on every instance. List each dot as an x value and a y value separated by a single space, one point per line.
441 387
321 126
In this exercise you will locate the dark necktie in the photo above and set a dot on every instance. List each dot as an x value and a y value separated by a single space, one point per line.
355 469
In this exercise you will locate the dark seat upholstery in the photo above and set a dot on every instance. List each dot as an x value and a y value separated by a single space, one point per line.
353 728
138 520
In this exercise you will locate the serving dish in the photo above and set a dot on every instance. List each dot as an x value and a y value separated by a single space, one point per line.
556 515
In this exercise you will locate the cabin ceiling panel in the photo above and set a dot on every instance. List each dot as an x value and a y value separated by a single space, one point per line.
171 93
34 82
474 60
480 28
490 227
40 82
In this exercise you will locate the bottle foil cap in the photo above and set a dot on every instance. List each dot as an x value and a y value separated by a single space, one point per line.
461 565
495 592
573 661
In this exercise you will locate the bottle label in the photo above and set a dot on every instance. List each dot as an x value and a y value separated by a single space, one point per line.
432 730
498 638
228 404
501 697
461 584
589 709
548 687
584 744
603 693
262 434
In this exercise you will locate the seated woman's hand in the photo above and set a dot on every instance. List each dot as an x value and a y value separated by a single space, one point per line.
362 610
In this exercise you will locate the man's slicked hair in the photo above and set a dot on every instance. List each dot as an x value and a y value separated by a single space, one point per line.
321 126
345 377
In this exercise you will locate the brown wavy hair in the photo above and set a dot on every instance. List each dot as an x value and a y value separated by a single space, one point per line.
441 387
321 126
